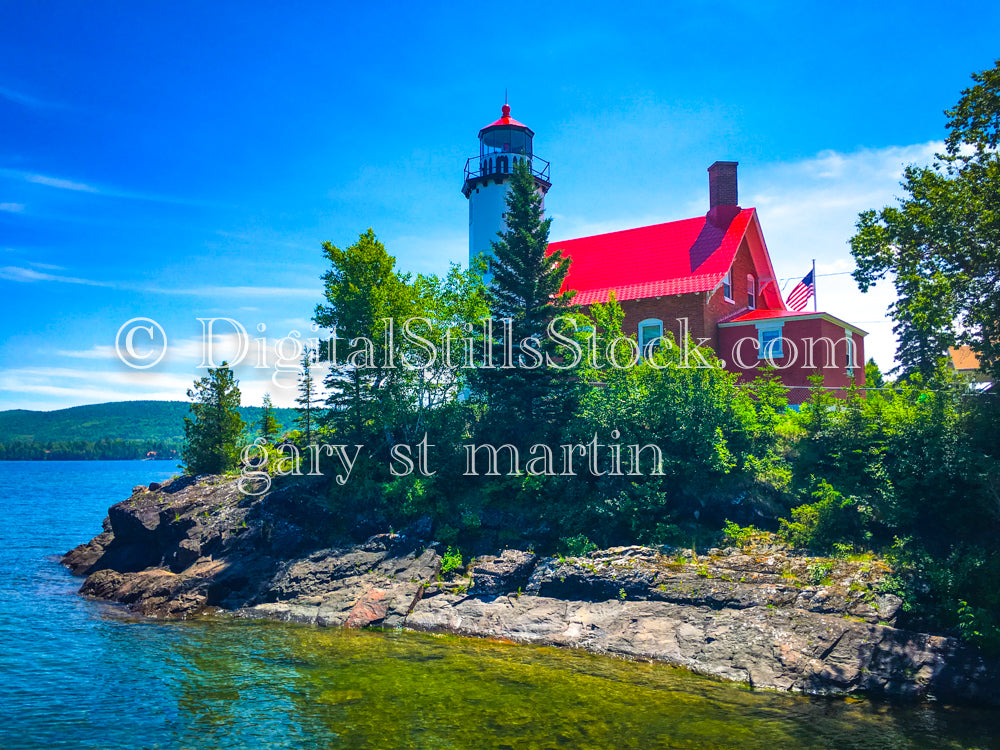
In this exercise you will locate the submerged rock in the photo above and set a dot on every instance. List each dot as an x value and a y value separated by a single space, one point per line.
761 616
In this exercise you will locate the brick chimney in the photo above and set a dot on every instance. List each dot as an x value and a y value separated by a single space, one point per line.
723 204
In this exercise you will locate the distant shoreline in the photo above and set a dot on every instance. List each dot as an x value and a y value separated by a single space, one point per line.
87 458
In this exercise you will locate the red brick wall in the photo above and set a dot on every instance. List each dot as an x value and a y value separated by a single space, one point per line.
795 371
704 310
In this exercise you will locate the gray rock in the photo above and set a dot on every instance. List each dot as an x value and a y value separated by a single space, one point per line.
502 575
755 616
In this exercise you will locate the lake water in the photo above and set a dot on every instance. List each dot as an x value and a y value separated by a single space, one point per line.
75 673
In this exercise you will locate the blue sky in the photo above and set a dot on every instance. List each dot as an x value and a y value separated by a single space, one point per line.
184 160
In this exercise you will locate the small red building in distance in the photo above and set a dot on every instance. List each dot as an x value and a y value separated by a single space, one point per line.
713 277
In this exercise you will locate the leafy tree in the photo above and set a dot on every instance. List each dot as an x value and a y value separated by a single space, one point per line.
213 432
364 295
456 305
308 398
268 424
941 245
873 375
528 397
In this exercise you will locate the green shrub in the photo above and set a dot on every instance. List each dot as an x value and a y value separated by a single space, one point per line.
451 560
739 535
830 520
576 546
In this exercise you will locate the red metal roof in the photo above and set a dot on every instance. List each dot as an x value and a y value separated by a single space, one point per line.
753 316
505 119
679 257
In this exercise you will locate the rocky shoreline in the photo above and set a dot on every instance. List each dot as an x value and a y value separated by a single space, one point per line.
761 616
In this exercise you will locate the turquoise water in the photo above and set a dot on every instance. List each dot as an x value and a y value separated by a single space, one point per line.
75 673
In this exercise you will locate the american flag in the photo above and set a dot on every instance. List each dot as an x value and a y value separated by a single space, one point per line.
801 293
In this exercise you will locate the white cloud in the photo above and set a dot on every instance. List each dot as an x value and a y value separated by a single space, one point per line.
29 275
26 100
237 291
58 182
106 191
808 210
14 208
264 368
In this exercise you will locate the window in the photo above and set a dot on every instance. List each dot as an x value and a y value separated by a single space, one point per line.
650 331
727 286
850 352
751 293
769 342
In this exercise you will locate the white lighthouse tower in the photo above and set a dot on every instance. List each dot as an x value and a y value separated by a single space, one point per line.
502 144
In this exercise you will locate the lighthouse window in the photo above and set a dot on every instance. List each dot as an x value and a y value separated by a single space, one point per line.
506 141
727 286
751 293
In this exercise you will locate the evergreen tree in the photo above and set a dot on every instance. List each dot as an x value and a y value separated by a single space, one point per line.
213 432
525 399
308 398
269 426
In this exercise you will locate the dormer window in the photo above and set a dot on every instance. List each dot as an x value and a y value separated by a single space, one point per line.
751 292
727 286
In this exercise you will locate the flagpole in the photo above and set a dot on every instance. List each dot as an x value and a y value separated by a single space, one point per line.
815 303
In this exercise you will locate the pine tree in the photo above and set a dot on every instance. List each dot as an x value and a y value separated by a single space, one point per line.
525 400
308 398
212 437
269 426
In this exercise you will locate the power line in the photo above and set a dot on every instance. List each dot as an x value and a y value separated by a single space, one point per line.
784 281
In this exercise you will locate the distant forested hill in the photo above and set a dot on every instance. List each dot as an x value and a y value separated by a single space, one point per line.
125 429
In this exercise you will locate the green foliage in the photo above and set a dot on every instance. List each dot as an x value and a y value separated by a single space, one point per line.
829 520
909 472
382 389
940 244
268 425
451 560
741 536
158 421
524 401
873 375
104 449
213 433
819 573
364 295
308 399
576 546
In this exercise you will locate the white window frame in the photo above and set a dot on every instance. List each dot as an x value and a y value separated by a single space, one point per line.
648 322
849 340
763 328
727 283
751 292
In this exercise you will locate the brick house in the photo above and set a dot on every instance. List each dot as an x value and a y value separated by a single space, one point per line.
713 275
710 275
